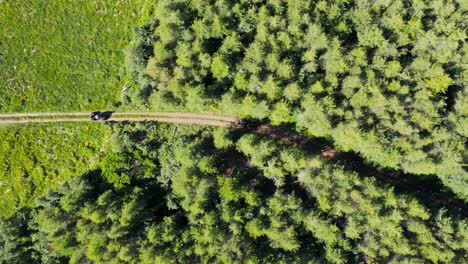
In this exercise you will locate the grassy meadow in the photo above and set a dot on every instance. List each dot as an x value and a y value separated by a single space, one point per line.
58 56
37 157
64 55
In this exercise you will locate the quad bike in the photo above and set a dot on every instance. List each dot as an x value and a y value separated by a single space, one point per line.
100 116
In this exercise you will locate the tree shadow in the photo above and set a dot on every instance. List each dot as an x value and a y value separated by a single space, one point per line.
427 189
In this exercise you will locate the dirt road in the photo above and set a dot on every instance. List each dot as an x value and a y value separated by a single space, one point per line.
201 122
207 119
160 114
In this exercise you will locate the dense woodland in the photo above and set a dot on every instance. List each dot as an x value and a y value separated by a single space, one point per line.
368 101
183 195
385 79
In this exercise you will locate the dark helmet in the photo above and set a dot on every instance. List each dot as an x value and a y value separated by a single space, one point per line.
95 116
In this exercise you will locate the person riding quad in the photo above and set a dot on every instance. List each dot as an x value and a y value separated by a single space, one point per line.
95 116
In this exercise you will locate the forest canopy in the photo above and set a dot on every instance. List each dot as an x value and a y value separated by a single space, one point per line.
384 79
176 195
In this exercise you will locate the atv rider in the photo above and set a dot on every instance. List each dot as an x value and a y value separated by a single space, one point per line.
95 116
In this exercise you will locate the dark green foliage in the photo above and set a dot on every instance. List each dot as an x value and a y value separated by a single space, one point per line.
252 200
89 219
382 226
385 79
15 241
20 242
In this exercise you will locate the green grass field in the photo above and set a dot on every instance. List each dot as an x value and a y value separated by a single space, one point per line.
37 157
64 55
60 55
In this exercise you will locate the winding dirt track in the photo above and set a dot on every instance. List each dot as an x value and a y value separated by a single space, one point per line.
164 117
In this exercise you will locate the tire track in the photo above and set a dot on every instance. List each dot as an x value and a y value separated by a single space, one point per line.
207 116
181 121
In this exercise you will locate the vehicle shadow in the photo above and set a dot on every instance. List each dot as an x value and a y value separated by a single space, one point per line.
107 114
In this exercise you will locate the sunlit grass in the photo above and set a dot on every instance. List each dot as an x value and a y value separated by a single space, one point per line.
58 56
64 55
37 157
